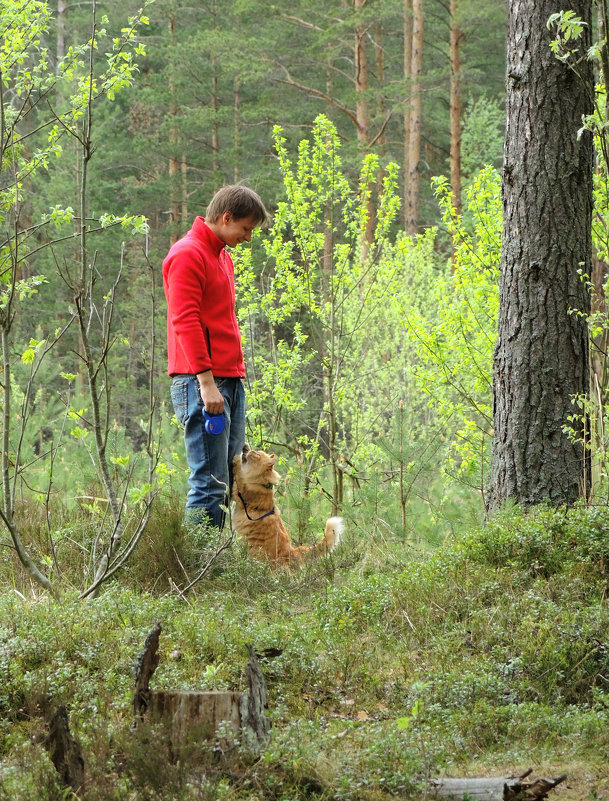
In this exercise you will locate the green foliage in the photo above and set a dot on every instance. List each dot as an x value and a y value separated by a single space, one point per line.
316 305
483 134
455 335
322 306
53 110
569 28
545 542
491 650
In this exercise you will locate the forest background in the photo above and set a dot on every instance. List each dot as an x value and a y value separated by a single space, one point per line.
374 133
336 303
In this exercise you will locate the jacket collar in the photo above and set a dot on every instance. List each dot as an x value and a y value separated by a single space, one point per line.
202 231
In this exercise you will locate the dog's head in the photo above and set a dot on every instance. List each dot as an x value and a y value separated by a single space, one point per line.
258 467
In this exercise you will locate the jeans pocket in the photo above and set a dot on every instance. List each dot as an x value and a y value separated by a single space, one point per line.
179 398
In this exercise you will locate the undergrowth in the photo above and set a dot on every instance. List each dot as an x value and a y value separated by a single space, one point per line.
385 665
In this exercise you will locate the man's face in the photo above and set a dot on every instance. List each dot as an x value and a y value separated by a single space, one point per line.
234 231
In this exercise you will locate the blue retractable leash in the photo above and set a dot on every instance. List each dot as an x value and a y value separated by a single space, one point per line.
214 423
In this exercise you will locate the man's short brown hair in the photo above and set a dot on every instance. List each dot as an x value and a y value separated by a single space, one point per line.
240 201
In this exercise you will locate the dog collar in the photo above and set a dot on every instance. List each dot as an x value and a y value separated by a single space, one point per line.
253 519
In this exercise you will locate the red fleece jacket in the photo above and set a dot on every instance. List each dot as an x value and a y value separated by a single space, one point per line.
202 330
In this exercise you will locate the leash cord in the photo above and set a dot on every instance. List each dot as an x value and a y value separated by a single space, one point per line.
253 519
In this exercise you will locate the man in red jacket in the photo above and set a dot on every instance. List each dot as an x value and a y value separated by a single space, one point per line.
204 346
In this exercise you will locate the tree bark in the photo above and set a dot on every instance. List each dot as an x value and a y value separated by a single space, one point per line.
599 268
237 130
184 173
491 788
195 714
65 752
362 111
174 214
379 54
456 105
215 130
407 85
361 80
147 663
541 357
60 50
414 136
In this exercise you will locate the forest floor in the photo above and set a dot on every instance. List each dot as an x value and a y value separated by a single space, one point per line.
386 665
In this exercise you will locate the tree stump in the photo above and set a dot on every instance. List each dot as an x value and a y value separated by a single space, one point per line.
196 714
190 713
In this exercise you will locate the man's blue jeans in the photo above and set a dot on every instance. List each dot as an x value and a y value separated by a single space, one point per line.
209 456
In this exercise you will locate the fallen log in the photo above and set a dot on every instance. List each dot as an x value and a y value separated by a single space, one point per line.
489 788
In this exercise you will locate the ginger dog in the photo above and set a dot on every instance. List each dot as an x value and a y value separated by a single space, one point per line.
258 520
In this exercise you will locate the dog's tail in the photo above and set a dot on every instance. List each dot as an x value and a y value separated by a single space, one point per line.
331 538
333 533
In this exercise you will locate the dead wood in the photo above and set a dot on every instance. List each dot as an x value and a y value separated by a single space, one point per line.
146 664
191 715
65 751
512 788
254 723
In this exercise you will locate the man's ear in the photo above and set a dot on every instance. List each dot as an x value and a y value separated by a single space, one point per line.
226 217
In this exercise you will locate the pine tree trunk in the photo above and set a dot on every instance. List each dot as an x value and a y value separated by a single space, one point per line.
184 172
414 137
407 84
362 112
173 138
237 130
541 357
215 131
456 105
379 57
361 81
600 269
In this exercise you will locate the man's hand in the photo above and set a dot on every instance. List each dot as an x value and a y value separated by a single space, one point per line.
210 394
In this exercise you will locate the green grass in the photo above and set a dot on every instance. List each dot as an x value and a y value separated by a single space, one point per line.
391 665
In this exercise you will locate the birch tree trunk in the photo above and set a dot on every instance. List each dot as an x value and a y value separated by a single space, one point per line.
61 29
541 357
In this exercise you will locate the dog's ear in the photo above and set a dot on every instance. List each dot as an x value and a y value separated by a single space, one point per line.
244 452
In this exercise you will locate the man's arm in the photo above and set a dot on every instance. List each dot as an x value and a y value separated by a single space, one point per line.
184 291
210 394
